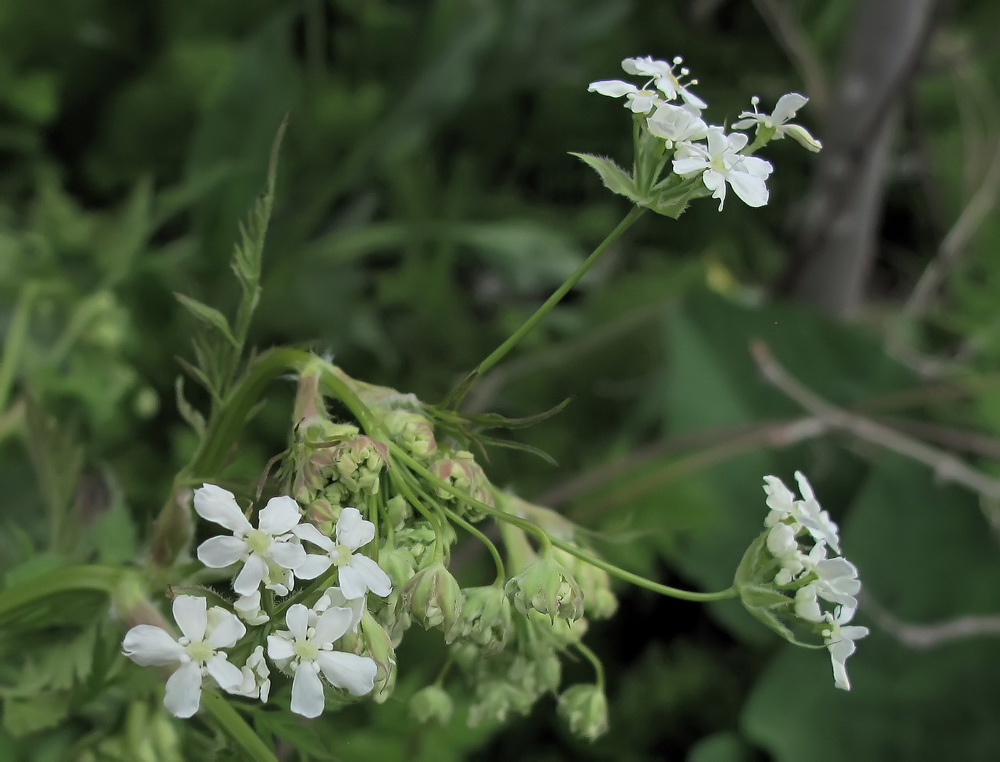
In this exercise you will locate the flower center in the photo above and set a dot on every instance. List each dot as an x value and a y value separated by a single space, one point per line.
719 165
200 651
341 555
258 541
305 650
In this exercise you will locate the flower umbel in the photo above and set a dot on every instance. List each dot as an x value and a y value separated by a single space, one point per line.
205 632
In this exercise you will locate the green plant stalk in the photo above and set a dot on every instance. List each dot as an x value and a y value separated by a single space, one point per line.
17 337
236 728
102 579
595 662
557 296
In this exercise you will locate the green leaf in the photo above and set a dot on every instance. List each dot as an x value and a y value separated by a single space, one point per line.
193 418
615 179
207 315
22 716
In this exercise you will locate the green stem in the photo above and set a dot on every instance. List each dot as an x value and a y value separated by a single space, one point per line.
102 579
595 662
17 336
635 579
236 728
557 296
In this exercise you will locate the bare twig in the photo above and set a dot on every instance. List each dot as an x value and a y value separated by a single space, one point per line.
923 636
944 465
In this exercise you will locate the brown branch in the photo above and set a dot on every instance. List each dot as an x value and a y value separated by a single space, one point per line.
923 636
944 465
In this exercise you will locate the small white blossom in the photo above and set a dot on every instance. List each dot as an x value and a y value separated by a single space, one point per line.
807 605
837 581
720 162
334 596
306 649
662 74
840 643
639 100
198 651
249 610
356 573
269 553
777 120
813 518
676 124
256 677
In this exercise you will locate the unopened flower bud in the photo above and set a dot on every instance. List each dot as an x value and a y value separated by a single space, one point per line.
546 587
486 617
398 563
495 699
375 642
434 598
397 511
323 515
411 430
432 704
595 583
585 710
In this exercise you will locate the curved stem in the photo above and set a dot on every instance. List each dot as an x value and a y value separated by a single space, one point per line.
595 662
557 296
639 581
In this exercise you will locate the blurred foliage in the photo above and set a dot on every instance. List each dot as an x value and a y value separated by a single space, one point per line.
426 205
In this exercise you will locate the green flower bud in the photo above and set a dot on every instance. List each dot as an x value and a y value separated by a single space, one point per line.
546 587
463 473
486 617
496 699
432 703
536 674
585 710
595 584
359 461
323 515
375 642
394 618
397 511
412 431
557 633
434 598
398 563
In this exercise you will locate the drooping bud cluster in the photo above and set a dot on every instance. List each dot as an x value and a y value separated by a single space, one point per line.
787 580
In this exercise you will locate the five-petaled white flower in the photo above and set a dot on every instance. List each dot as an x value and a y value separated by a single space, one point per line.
270 553
839 641
204 633
306 648
777 120
721 162
356 573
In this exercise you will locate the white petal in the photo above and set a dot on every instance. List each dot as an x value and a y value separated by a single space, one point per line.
219 552
801 135
334 596
190 613
279 516
374 578
288 555
279 648
350 671
718 144
183 694
219 506
297 620
332 625
227 675
693 100
689 165
309 533
151 646
613 88
352 530
225 628
313 566
737 141
805 488
756 166
250 577
750 189
786 107
307 691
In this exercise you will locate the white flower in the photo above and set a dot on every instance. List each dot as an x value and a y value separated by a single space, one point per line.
662 74
806 604
780 500
307 650
270 553
356 573
639 100
256 677
813 518
720 162
249 610
676 125
777 120
204 633
837 581
839 641
334 596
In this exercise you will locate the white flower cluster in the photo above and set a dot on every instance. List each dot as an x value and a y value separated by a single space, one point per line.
272 555
826 589
673 113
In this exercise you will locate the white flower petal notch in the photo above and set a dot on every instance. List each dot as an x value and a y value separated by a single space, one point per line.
198 651
777 121
270 553
306 650
356 573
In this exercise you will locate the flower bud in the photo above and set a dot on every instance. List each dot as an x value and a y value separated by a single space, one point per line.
411 430
595 584
495 699
434 598
397 511
431 703
375 642
546 587
486 617
398 563
463 473
323 515
394 618
585 710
